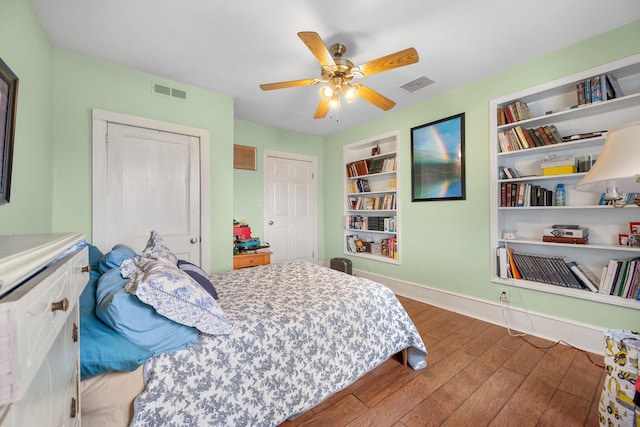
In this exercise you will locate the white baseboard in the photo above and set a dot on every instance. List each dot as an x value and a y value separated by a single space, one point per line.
585 337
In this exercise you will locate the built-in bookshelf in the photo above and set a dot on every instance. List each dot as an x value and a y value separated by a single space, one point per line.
548 135
371 205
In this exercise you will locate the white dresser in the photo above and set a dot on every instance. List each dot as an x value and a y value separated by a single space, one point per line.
41 279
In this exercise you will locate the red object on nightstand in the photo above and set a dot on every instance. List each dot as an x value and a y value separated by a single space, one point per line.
242 232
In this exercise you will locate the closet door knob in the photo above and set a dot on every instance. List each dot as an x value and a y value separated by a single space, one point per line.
194 240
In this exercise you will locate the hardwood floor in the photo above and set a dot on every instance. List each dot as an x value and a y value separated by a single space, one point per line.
477 375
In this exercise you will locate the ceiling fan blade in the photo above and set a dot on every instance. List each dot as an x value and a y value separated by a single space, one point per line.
375 98
389 62
322 110
292 83
317 47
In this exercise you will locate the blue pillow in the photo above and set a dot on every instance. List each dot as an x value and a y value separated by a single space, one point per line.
137 321
199 276
101 348
95 255
114 258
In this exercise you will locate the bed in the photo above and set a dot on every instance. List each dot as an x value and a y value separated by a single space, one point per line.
289 336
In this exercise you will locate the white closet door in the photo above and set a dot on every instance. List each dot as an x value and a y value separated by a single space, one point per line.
152 183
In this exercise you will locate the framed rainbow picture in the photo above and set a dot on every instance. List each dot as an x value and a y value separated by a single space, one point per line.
437 160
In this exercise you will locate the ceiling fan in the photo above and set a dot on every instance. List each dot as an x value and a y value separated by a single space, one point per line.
338 72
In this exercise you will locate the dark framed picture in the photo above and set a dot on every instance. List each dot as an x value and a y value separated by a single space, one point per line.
437 160
8 104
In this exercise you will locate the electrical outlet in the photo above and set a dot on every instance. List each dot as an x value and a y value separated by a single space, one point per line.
504 295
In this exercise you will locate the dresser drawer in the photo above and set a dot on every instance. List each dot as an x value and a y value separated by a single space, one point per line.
251 260
52 397
34 316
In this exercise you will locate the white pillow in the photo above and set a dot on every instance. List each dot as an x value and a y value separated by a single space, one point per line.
175 295
156 250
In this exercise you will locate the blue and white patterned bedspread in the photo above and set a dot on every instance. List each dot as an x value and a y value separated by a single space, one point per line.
303 332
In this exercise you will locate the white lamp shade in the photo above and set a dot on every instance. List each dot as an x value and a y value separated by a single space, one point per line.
618 164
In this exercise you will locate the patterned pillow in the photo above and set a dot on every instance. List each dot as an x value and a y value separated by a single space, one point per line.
199 276
156 250
175 295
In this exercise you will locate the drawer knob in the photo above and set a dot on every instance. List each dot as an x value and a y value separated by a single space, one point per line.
63 305
86 269
74 408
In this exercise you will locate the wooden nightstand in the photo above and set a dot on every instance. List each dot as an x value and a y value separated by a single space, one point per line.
251 260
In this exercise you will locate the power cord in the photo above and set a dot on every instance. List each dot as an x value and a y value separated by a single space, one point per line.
522 336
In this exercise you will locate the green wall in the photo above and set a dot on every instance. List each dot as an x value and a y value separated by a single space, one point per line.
27 51
446 244
248 185
82 84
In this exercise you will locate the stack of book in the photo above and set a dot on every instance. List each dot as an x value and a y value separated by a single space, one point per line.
385 202
519 138
552 270
513 112
598 88
375 165
359 168
566 234
518 194
371 223
620 278
359 185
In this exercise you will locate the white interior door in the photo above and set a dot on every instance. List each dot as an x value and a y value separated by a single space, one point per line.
147 179
290 207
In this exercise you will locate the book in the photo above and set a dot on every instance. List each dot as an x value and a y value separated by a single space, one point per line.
563 239
551 270
375 166
612 269
566 231
578 136
537 141
554 133
606 88
586 276
542 134
615 85
503 263
515 272
630 279
559 170
580 93
521 137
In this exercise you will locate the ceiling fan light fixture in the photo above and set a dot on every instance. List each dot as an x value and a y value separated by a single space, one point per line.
337 72
349 91
326 92
334 102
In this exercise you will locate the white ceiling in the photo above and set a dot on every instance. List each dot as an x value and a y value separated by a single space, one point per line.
232 46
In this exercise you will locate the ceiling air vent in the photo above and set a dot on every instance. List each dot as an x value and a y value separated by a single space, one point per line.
417 84
163 90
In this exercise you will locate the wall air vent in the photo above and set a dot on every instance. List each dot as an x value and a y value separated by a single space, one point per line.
177 93
417 84
158 89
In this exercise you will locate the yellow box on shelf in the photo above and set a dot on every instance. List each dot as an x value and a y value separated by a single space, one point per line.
559 170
